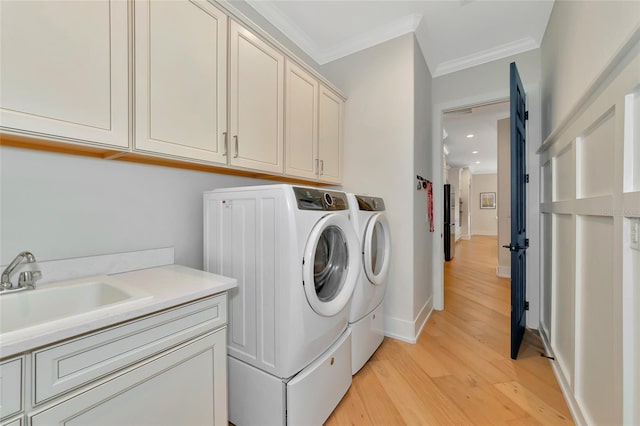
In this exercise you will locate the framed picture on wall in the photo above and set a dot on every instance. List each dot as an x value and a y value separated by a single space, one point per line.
487 200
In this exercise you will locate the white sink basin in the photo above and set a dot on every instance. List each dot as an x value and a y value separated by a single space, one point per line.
28 308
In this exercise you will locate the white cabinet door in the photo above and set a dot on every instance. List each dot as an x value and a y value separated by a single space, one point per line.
256 102
65 70
186 385
330 136
181 79
301 122
11 389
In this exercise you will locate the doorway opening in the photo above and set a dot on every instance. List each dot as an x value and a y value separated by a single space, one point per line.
476 167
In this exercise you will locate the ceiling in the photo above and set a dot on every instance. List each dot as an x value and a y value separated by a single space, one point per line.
481 122
453 34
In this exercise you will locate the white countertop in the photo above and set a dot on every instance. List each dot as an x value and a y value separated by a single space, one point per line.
155 289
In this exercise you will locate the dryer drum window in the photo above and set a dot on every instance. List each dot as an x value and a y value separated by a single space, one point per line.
331 263
377 248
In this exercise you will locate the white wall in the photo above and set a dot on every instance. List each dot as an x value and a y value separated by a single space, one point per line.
454 179
60 206
504 197
483 221
581 39
590 64
473 86
382 141
422 160
465 195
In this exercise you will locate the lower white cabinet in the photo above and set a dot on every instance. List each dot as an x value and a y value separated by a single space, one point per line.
183 386
11 389
166 368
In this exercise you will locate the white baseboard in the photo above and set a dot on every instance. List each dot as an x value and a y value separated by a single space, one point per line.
423 317
565 387
503 271
408 331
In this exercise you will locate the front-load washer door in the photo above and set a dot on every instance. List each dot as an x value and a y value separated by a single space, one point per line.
330 266
377 249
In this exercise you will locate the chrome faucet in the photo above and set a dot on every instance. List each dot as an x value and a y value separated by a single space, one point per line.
26 279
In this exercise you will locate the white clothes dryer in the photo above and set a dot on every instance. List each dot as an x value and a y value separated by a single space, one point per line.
366 318
295 255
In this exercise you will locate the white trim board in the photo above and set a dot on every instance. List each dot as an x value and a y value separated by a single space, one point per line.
408 331
503 271
565 387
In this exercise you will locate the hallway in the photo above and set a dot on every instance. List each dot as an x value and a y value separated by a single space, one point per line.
459 372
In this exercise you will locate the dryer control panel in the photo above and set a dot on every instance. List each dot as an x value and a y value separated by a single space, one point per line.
317 199
370 204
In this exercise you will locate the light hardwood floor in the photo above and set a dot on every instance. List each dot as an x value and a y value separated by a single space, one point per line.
460 371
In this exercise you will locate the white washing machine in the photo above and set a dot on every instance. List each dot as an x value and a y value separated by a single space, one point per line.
366 319
295 255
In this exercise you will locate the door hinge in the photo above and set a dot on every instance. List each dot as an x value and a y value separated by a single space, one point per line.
526 179
526 115
526 243
526 306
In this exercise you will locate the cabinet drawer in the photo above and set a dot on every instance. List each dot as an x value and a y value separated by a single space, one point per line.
185 385
66 366
11 373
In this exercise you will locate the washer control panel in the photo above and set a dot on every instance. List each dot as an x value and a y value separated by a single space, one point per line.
319 199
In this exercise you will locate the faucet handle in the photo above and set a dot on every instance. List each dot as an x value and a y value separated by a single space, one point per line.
29 278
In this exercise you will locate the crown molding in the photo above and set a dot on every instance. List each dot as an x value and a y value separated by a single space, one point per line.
286 27
485 56
402 26
405 25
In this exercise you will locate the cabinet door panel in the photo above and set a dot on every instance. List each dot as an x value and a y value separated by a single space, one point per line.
65 70
184 386
181 62
301 122
330 136
256 102
11 377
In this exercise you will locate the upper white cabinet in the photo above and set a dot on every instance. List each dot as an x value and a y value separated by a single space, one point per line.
301 123
181 79
330 136
175 79
313 128
256 93
65 70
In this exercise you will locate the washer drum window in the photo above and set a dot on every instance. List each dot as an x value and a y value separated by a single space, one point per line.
331 264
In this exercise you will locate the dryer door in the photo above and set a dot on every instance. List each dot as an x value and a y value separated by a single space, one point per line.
377 249
330 266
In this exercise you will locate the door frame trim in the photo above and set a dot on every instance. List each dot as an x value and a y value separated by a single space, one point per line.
534 290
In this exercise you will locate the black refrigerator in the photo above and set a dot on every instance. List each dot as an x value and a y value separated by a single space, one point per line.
449 227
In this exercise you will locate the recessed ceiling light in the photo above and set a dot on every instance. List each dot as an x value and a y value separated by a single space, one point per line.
477 162
470 135
474 152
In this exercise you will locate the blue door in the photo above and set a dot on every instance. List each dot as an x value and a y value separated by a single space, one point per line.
519 241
